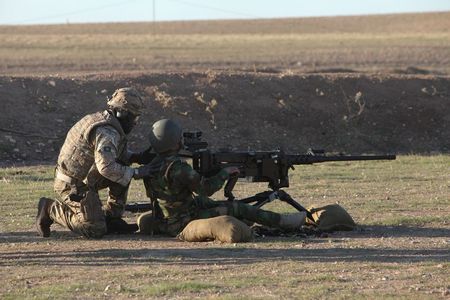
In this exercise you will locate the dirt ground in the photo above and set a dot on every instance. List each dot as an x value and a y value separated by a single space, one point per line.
340 113
357 85
393 261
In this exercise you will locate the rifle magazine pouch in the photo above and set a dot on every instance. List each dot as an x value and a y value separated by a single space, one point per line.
226 229
91 208
332 217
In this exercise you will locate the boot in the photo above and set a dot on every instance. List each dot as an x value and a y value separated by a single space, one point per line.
293 221
43 220
118 225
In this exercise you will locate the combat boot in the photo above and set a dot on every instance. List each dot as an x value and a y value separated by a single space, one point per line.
118 225
293 221
43 220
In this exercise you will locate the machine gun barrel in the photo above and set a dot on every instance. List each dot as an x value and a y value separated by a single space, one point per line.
308 159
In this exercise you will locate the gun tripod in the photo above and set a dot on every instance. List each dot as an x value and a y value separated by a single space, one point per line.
260 199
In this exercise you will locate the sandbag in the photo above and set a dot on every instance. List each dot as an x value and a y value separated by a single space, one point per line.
332 217
225 229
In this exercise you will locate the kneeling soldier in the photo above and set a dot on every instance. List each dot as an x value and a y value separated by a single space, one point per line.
180 194
94 156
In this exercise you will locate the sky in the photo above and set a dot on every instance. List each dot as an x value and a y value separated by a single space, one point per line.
25 12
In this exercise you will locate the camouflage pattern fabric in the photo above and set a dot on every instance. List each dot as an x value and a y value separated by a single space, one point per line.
97 138
88 161
174 187
127 99
69 213
84 217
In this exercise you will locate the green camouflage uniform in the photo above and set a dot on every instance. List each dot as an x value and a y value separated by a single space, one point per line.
176 205
88 161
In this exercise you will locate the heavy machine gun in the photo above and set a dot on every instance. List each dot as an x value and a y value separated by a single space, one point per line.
259 166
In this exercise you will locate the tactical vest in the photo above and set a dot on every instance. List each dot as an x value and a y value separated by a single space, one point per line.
173 203
77 153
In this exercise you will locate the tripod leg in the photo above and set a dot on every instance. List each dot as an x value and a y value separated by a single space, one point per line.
283 196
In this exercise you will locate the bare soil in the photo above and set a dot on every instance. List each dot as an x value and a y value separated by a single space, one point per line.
390 261
375 84
337 112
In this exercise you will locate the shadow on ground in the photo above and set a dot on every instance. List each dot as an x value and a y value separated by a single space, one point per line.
361 232
217 255
142 255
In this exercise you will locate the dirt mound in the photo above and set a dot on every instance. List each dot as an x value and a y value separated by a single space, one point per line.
339 112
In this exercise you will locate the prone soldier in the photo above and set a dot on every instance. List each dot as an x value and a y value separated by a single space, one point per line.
180 194
95 156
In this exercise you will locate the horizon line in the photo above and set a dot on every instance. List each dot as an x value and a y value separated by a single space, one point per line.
230 19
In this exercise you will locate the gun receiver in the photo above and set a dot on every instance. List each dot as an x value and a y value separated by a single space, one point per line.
192 141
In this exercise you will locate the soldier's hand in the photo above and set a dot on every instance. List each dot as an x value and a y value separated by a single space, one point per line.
232 171
146 171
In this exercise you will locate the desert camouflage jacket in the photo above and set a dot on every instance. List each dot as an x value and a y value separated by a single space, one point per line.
96 142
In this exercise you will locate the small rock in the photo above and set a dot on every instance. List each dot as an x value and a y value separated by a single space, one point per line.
52 83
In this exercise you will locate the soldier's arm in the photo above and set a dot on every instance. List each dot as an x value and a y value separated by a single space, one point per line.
106 142
182 174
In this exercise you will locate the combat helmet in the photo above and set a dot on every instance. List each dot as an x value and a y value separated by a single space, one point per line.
127 99
165 136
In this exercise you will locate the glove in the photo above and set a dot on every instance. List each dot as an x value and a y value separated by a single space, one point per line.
147 170
232 171
143 157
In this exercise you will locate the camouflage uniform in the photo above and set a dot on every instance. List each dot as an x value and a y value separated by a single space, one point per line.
86 164
176 205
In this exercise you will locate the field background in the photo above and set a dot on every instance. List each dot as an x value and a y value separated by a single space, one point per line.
409 43
377 84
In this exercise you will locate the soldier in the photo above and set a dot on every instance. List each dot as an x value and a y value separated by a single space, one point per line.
180 194
94 156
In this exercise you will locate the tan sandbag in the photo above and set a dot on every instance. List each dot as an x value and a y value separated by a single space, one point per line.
225 229
332 217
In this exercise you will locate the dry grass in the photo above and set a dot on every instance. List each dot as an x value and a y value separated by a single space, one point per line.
365 44
400 252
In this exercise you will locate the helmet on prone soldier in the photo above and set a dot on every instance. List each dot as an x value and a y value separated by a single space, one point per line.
166 136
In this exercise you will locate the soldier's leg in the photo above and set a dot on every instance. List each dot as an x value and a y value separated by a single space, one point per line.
117 199
117 194
242 211
84 217
115 205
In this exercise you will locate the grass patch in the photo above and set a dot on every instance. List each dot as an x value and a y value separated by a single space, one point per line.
413 220
411 191
168 289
